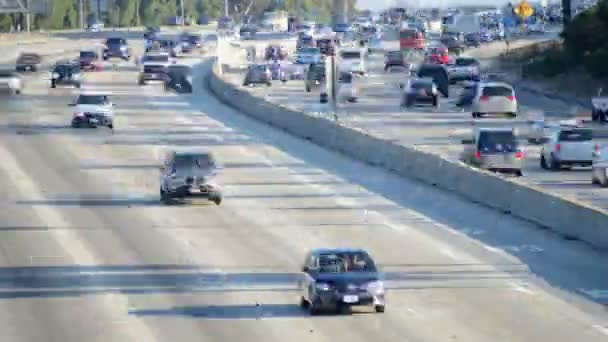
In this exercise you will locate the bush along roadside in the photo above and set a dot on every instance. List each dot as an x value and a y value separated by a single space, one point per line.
585 46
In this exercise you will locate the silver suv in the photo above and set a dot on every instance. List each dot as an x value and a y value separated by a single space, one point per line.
494 149
189 174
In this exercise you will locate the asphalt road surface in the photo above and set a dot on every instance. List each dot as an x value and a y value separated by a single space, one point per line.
89 254
441 131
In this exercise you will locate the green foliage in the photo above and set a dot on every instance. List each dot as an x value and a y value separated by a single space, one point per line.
585 43
64 14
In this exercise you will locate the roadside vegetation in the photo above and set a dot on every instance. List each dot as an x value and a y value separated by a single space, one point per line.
64 14
584 48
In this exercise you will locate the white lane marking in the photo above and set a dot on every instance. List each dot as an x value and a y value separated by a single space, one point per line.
69 239
600 328
521 287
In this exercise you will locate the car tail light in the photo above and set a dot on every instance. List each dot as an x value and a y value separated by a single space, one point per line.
596 148
558 147
484 98
519 155
511 98
477 155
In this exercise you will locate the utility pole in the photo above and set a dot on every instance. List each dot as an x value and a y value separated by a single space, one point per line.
136 12
226 7
81 14
181 2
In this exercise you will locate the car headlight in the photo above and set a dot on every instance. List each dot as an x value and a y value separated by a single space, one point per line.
375 287
322 286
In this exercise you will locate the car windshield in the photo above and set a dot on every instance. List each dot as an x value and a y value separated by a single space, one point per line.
156 58
203 161
576 135
87 54
350 54
115 41
74 69
341 262
496 142
92 100
497 91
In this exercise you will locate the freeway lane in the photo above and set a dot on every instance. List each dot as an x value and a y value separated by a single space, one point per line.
89 254
439 131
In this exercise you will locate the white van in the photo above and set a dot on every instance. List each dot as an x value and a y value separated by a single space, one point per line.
353 60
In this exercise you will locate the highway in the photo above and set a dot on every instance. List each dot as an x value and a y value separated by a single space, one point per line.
89 254
441 131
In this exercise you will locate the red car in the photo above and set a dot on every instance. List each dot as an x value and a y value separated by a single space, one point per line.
438 56
89 61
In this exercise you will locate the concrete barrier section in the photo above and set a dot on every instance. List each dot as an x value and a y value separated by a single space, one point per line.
569 218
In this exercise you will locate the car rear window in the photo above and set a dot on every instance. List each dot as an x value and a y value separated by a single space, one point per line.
466 62
203 161
346 77
350 54
87 54
496 142
157 58
422 85
92 99
576 135
497 91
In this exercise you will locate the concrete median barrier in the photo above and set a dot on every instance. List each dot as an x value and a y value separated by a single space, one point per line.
567 217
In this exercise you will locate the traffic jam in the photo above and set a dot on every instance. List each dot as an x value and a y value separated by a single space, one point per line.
430 56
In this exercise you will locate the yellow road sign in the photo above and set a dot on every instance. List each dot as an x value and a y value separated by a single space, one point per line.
523 10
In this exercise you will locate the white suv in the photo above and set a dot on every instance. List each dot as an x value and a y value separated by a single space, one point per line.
567 147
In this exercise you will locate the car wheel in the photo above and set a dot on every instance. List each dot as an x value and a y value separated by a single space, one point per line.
513 115
519 173
380 308
604 179
163 196
308 89
435 102
77 85
217 199
53 84
303 302
554 165
476 115
268 84
543 162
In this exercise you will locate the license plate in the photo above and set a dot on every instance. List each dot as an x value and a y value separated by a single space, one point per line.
350 299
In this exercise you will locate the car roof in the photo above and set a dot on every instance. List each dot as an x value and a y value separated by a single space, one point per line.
494 129
495 84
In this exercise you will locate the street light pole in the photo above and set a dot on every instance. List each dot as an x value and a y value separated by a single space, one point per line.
82 14
226 7
181 5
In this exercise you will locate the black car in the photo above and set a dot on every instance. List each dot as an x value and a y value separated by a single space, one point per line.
28 62
472 39
179 78
88 59
454 42
394 59
116 48
337 279
195 40
66 73
420 91
439 74
152 32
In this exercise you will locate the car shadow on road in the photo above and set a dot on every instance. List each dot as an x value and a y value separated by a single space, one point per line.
240 311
